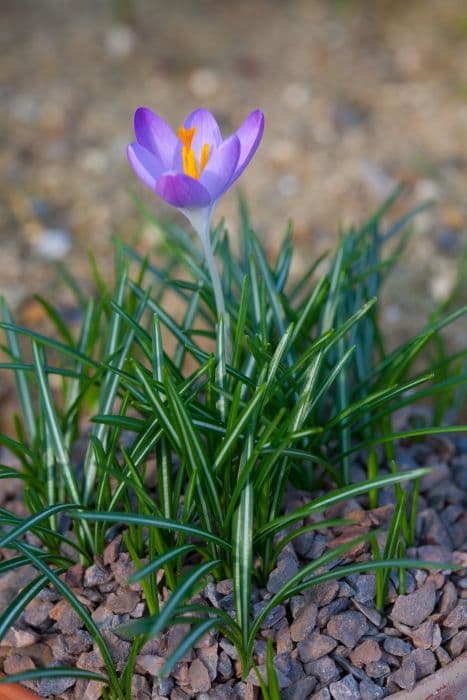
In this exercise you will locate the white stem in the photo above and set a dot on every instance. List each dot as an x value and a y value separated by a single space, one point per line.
202 225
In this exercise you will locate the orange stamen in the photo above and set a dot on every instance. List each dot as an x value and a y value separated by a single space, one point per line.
190 166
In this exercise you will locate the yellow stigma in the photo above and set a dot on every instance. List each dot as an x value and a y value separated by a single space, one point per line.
190 166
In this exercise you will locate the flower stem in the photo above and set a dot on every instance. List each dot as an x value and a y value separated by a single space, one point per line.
204 234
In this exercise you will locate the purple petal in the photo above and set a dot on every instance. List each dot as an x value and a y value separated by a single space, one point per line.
154 134
217 175
146 165
207 130
249 135
182 191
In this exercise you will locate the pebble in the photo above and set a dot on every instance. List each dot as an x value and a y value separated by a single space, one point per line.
198 676
304 623
285 569
150 663
324 669
366 652
422 636
377 669
414 608
425 662
19 638
406 675
95 575
457 644
300 689
365 588
55 686
371 691
397 646
17 663
448 598
318 645
322 694
53 244
370 613
37 612
224 666
323 593
124 601
273 617
457 617
345 689
208 655
347 627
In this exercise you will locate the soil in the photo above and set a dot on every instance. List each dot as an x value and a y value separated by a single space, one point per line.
329 641
358 96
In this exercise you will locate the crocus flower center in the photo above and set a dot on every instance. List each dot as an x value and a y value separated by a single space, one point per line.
190 166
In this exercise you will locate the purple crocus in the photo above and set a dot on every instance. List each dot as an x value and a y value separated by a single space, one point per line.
191 169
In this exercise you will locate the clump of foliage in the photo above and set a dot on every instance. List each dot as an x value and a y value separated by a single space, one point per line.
306 386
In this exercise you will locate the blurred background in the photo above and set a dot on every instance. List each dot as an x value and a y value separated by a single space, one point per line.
359 95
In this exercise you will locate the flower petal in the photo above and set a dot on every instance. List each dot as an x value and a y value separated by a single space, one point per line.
207 130
217 175
146 165
154 134
182 191
249 134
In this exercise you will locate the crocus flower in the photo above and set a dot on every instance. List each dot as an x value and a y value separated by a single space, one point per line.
191 169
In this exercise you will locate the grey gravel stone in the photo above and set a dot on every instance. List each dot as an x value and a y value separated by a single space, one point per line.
304 623
322 694
366 652
414 608
323 593
365 588
95 575
324 669
55 686
37 612
457 644
457 617
285 569
397 646
224 666
377 669
273 617
370 613
300 689
425 662
406 675
208 656
318 645
199 677
422 637
371 691
345 689
347 627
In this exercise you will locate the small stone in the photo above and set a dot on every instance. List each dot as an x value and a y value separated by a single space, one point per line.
365 653
224 666
336 606
425 662
318 645
457 644
119 648
322 694
323 593
37 612
78 642
163 686
208 656
371 691
199 677
89 690
95 575
365 588
225 587
55 686
448 599
124 601
67 620
112 550
17 663
229 649
457 617
304 624
422 636
19 638
397 646
300 689
370 613
286 568
345 689
377 669
273 617
283 639
324 669
347 627
442 656
406 675
149 663
53 244
90 661
414 608
140 689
